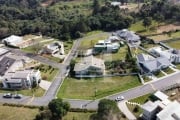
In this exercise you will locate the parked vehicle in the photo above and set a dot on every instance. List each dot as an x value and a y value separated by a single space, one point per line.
7 95
17 96
119 98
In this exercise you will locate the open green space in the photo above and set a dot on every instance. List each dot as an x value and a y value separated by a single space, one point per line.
162 37
17 113
38 92
77 116
67 46
89 42
168 70
96 87
142 99
120 55
174 44
47 72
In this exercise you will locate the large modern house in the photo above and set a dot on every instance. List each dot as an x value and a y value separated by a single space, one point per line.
161 109
21 79
106 45
148 64
171 54
130 37
89 66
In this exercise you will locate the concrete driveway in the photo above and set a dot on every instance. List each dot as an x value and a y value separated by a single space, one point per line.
45 84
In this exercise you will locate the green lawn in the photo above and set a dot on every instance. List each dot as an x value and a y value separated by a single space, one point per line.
47 72
146 79
37 93
160 74
136 51
142 99
178 66
168 71
166 36
17 113
89 42
174 44
67 46
85 88
77 116
120 55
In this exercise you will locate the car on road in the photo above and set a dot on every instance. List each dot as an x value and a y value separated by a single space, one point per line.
119 98
17 96
7 95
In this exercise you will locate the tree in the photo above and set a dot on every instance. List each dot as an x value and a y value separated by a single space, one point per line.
58 108
147 22
107 110
96 7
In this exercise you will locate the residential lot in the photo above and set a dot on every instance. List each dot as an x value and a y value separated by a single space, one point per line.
174 44
96 87
17 113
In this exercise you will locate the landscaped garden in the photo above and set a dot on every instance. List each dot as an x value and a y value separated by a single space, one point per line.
96 87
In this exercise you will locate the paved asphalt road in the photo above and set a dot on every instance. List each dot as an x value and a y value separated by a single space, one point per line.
89 104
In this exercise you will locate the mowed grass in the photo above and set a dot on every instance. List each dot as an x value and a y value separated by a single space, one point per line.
17 113
77 116
162 37
85 88
120 55
91 40
174 44
38 92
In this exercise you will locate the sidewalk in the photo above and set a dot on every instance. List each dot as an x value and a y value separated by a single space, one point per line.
122 106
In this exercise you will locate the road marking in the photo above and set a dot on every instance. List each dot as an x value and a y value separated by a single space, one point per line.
153 87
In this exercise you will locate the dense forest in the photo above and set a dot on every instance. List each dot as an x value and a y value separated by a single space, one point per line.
70 21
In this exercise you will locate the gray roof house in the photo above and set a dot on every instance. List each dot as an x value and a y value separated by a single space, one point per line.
130 37
149 64
5 64
89 66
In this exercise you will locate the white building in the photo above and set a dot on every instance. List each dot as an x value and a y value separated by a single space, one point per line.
172 55
12 40
21 79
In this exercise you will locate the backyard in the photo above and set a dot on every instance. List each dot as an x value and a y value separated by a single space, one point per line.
174 44
96 87
17 113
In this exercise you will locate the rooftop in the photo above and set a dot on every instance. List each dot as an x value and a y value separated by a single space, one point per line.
5 63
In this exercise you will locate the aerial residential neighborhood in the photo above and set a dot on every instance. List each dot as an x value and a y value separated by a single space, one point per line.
90 60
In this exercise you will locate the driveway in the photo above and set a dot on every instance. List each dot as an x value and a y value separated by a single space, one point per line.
124 109
45 84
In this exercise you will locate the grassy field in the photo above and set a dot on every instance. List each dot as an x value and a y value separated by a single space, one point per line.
174 44
37 93
77 116
17 113
89 42
85 88
120 55
166 36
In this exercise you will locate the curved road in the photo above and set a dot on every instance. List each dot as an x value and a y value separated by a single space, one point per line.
89 104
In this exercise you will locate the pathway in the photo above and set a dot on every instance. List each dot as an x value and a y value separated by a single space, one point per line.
124 109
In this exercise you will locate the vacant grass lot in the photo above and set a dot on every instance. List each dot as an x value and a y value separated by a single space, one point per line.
174 44
120 55
89 42
17 113
165 36
37 93
77 116
85 88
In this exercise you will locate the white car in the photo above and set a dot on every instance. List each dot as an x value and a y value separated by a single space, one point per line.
119 98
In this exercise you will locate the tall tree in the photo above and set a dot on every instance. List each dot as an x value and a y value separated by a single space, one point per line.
96 7
147 22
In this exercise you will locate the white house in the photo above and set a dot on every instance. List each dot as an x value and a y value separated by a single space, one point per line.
171 54
53 48
89 66
115 3
21 79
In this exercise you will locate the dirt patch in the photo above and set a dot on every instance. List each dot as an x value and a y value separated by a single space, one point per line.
167 28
